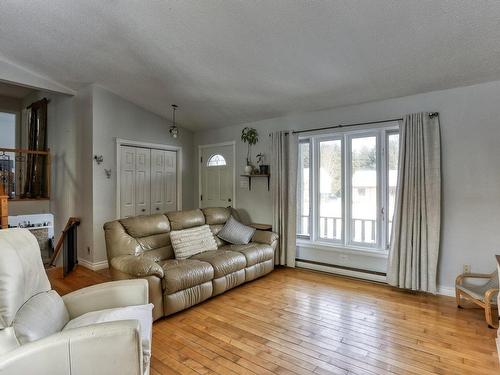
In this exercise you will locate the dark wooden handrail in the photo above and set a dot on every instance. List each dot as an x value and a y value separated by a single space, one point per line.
72 221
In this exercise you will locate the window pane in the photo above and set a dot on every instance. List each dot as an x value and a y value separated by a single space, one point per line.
216 161
303 211
7 159
364 190
330 189
392 179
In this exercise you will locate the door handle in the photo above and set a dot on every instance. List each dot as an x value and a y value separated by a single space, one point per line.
143 210
157 208
229 200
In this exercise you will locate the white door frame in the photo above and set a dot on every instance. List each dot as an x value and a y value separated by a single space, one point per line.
200 149
127 142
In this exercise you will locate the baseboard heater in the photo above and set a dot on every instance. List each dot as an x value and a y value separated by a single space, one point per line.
342 270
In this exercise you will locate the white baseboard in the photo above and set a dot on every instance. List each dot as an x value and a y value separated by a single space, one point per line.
446 290
93 266
441 289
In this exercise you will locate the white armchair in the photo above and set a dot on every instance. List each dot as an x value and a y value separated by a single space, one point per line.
102 329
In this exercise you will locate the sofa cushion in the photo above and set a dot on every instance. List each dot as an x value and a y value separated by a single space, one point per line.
254 252
186 219
216 215
141 313
42 315
223 262
188 242
236 233
182 274
147 225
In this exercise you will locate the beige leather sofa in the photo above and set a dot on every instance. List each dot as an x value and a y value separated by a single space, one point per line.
34 334
139 247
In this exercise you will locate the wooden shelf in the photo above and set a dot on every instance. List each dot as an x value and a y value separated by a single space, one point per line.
250 176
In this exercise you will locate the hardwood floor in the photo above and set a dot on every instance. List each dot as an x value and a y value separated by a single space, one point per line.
302 322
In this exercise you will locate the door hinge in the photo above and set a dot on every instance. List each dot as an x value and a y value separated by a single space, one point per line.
201 197
201 159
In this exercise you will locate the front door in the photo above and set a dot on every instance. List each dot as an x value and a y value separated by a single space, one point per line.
217 176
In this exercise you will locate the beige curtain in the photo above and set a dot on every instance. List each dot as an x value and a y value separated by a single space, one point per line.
284 189
414 250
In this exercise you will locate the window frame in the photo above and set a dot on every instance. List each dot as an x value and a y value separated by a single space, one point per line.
382 133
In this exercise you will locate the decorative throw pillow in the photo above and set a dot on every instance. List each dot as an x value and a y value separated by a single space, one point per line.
42 315
188 242
236 233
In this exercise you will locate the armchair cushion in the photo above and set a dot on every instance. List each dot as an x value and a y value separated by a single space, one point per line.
141 313
137 266
42 315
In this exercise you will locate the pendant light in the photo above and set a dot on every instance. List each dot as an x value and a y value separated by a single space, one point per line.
174 130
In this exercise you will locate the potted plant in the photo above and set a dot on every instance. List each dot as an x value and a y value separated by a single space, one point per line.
250 137
263 168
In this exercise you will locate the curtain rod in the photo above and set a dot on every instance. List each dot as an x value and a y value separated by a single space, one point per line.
431 114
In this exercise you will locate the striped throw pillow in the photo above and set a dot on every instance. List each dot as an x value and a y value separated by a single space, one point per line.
236 233
188 242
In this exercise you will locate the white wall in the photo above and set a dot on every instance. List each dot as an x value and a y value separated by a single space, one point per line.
470 130
114 117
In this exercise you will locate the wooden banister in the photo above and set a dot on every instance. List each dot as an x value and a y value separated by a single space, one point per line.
4 209
72 221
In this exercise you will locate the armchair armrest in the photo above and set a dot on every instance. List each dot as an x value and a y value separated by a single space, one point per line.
105 348
266 237
460 278
107 296
137 266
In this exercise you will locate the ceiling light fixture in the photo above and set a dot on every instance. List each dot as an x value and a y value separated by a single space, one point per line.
174 130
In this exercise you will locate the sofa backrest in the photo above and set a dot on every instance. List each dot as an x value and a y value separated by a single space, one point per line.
149 235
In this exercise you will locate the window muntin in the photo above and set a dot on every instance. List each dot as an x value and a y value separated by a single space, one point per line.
216 160
304 190
364 173
330 200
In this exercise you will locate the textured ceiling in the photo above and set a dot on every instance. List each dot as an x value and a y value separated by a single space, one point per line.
229 62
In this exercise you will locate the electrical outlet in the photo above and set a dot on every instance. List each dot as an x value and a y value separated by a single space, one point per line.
466 268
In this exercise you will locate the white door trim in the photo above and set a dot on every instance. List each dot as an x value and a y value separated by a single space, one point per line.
200 148
127 142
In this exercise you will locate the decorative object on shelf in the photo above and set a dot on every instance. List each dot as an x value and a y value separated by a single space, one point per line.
250 176
108 173
174 130
263 168
251 137
98 159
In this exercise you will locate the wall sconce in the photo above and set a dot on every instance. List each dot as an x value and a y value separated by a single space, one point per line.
99 159
174 130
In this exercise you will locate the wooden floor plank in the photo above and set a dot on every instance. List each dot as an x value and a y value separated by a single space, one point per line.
302 322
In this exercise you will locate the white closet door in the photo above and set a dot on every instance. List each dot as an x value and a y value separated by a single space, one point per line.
142 181
127 181
170 181
157 181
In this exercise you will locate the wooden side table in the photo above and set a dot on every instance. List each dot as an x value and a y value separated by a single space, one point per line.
264 227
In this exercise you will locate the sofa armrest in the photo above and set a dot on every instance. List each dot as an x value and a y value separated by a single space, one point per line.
107 296
137 266
104 348
266 237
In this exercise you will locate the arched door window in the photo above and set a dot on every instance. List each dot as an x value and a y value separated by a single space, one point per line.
216 160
